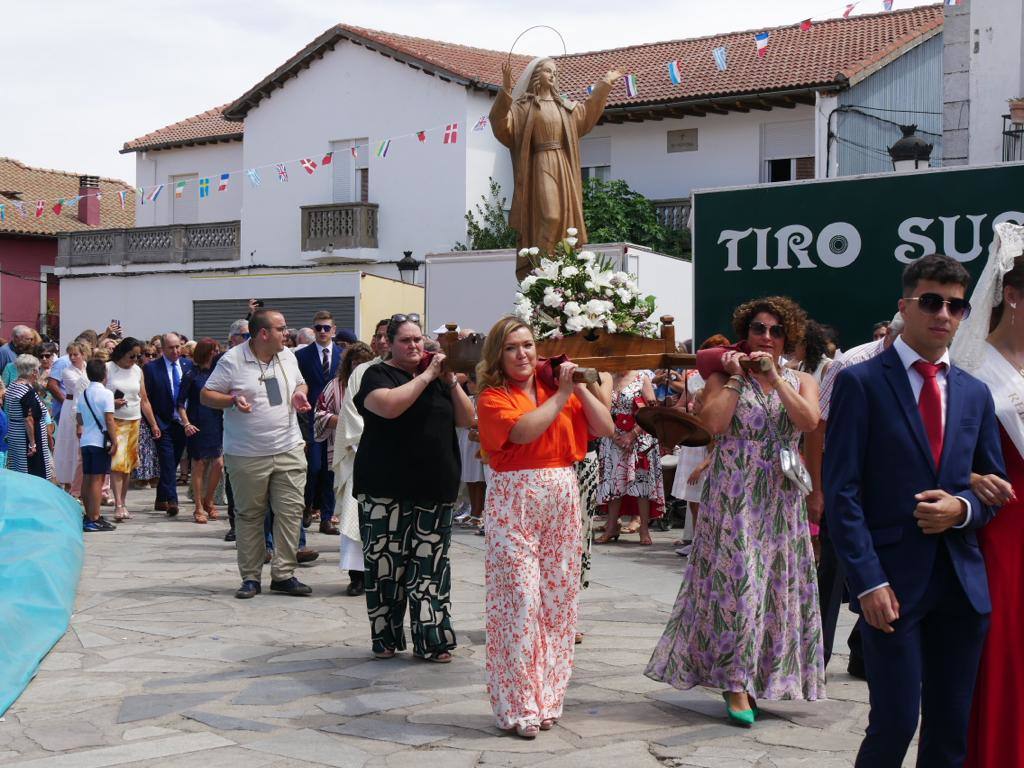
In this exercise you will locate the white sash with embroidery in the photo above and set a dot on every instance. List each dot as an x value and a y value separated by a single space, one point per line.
1007 386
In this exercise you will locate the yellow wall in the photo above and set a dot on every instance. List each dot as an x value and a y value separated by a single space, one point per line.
380 297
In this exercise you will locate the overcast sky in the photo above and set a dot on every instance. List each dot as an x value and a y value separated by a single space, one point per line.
81 78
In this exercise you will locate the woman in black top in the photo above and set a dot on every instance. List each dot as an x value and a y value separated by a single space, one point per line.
406 478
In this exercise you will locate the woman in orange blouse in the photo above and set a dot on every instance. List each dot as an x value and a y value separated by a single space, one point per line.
532 432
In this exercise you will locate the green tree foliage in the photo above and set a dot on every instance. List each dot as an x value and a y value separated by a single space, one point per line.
488 229
614 214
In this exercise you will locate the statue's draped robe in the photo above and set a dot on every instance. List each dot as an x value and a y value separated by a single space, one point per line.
548 194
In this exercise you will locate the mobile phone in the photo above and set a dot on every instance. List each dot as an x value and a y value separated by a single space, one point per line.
273 391
258 302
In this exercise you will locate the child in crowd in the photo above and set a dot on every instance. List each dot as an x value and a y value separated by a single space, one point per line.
95 422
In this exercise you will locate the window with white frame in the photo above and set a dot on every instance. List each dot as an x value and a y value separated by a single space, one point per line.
787 151
351 174
596 158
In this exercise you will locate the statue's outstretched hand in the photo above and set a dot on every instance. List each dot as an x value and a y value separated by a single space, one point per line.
612 76
506 76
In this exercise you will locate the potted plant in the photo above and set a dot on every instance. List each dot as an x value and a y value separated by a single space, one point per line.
1017 110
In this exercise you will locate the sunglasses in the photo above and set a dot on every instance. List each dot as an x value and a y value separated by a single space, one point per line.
777 331
133 357
932 303
410 318
322 328
47 354
150 354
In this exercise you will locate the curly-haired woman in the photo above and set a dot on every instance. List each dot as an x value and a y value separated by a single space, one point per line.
746 619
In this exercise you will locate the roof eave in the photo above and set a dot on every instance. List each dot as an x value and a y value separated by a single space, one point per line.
238 109
179 143
859 75
725 102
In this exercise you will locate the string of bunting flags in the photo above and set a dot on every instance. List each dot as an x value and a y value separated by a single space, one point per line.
449 133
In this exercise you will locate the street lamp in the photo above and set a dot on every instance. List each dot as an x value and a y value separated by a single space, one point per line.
910 152
408 267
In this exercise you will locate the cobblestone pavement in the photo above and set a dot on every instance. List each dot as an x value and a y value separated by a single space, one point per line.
163 667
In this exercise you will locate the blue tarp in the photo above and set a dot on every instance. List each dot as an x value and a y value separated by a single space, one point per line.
41 554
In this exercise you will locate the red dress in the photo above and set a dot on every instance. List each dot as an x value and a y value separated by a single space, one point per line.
996 737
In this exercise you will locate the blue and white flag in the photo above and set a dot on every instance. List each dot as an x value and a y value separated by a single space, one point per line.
254 177
720 60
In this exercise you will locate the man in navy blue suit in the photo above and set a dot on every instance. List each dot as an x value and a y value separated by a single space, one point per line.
163 378
906 431
318 363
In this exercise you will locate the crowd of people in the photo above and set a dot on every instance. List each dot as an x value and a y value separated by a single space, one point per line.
874 476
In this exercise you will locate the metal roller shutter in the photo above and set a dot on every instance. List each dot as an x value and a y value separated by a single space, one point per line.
213 318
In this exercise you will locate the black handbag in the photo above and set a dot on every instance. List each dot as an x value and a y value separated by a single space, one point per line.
107 439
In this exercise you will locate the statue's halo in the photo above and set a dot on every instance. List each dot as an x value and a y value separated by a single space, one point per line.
529 29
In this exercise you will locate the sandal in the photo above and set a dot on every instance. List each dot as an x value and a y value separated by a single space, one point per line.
548 723
579 639
119 515
523 731
437 658
200 516
211 511
608 536
645 539
388 653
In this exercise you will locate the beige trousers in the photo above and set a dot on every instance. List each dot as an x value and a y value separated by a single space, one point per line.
280 481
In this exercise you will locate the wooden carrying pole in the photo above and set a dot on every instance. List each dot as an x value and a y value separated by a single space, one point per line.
612 352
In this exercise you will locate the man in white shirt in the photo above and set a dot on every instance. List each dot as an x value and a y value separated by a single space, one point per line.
260 387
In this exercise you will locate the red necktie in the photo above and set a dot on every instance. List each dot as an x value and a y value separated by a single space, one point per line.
930 405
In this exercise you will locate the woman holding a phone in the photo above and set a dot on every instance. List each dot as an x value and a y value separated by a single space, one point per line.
406 479
124 379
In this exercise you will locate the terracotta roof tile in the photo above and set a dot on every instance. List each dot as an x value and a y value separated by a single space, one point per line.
44 184
202 128
832 52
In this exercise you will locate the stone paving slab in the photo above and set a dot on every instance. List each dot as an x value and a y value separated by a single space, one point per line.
163 667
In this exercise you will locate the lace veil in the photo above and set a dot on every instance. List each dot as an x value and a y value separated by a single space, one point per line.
968 348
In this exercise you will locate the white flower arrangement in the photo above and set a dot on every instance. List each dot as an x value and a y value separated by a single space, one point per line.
573 291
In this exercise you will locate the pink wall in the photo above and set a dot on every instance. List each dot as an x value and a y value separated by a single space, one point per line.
19 299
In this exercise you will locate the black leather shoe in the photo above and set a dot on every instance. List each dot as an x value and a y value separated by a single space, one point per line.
326 526
856 668
306 555
291 586
355 588
248 589
230 535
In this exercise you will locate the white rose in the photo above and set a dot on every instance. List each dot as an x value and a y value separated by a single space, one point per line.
572 308
607 291
575 324
610 325
589 285
528 282
534 251
548 269
553 299
571 241
570 271
572 231
524 252
596 307
625 295
587 256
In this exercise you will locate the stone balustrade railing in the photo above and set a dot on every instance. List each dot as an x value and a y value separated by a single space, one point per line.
174 243
339 226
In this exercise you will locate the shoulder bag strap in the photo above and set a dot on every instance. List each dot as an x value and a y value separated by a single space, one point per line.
101 425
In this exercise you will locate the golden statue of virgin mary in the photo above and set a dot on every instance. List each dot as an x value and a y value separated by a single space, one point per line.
542 130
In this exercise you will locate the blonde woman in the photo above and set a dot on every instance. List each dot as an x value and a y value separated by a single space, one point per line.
534 426
66 454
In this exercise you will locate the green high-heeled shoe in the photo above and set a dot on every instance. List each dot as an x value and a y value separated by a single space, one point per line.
744 718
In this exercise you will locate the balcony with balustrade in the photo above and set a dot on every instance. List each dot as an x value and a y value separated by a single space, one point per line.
170 244
339 226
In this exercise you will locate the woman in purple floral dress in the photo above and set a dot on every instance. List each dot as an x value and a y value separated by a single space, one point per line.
746 619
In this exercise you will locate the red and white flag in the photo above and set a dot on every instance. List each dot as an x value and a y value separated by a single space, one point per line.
849 9
309 165
40 207
327 159
451 133
355 151
58 207
421 136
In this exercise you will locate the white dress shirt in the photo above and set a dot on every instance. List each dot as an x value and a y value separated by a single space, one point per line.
908 357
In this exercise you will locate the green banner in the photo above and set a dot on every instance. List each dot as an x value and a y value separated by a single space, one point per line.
838 246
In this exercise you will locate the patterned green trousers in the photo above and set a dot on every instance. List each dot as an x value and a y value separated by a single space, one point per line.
405 547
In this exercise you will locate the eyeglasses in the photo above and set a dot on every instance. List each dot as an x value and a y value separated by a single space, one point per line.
322 328
243 336
777 331
932 303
